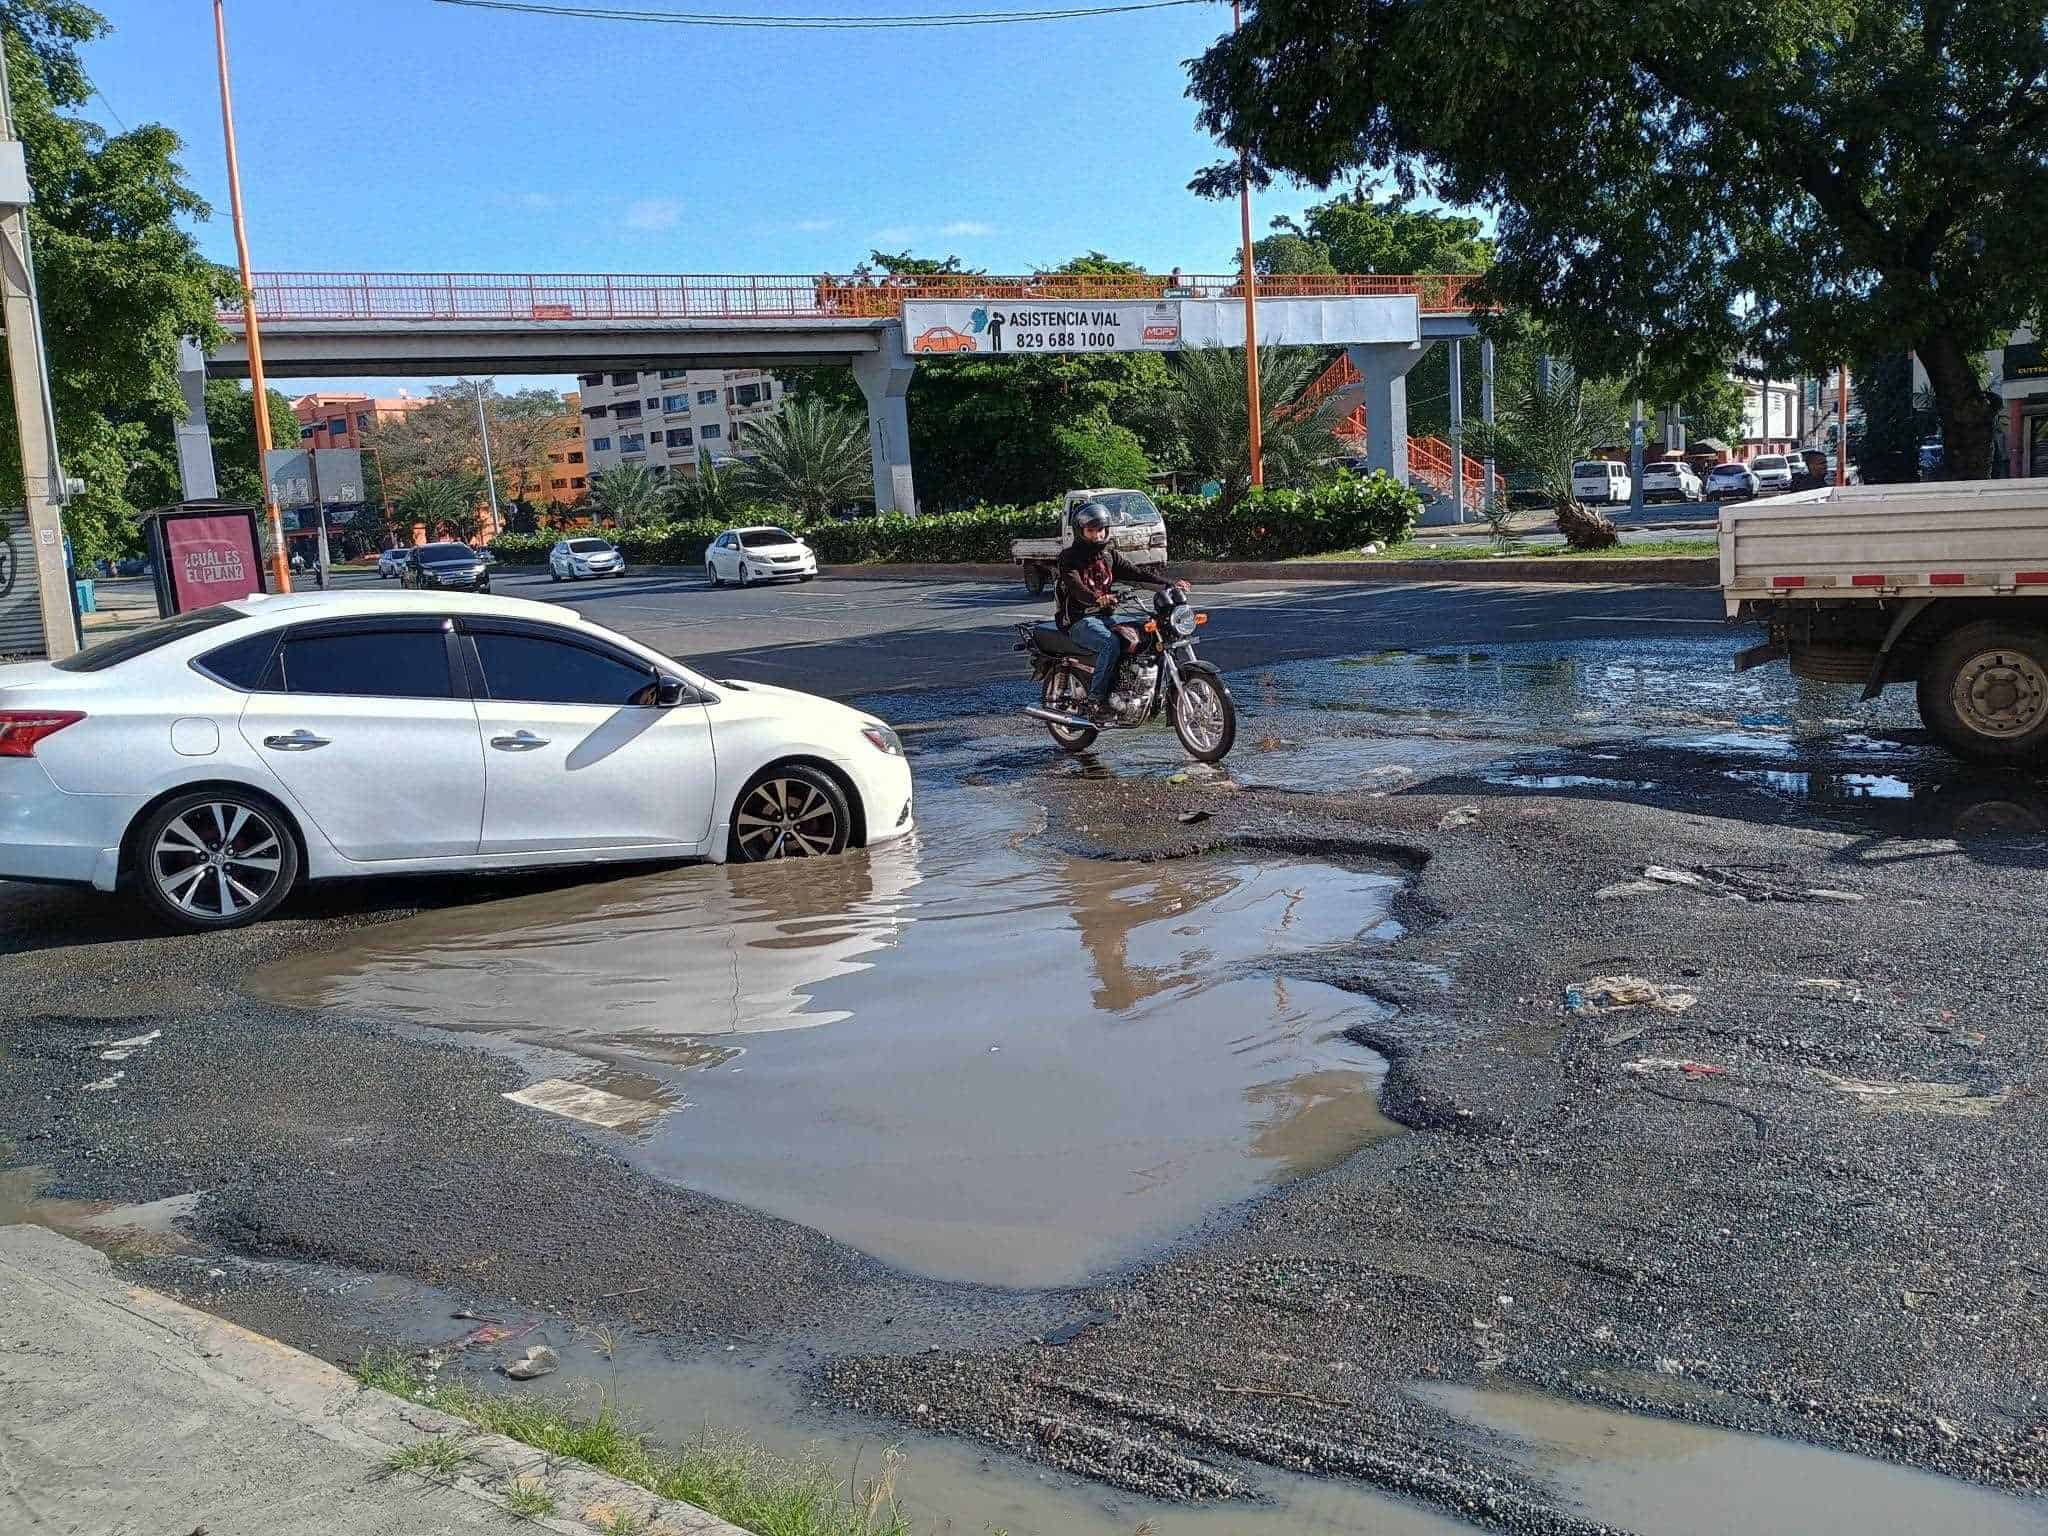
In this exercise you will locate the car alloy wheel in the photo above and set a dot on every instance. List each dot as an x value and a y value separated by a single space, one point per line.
216 859
790 813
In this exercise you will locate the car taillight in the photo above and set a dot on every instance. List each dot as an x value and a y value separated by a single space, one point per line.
21 729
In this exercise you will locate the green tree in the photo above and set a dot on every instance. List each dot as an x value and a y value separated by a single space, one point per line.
1358 233
1289 253
628 495
1100 454
1713 408
231 422
1538 434
445 506
1894 424
712 495
1217 423
809 460
1784 182
119 278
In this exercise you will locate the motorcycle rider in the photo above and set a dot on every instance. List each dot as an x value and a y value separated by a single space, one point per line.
1084 602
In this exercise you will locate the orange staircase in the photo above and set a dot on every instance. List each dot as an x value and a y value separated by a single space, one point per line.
1428 457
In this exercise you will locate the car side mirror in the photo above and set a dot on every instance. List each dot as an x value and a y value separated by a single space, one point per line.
669 692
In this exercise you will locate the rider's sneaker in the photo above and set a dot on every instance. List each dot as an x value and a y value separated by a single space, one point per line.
1098 712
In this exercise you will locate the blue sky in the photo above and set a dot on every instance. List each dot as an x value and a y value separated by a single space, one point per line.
402 135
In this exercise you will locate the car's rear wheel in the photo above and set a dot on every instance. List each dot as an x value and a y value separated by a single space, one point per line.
790 812
215 858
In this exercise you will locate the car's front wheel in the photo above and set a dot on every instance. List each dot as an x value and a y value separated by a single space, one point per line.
215 858
790 812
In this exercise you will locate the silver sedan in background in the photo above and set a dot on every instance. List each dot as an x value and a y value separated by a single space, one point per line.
573 559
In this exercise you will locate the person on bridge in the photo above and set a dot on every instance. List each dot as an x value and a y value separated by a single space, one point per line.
1084 601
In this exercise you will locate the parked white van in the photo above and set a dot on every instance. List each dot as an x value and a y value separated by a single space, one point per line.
1601 480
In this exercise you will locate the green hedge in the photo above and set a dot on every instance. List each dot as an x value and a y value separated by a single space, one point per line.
1264 525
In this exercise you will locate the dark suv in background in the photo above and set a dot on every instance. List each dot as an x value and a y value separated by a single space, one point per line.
447 568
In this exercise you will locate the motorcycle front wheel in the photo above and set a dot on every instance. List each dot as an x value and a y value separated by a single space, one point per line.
1204 715
1066 692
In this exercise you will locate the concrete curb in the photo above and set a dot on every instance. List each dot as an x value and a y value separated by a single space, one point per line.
256 1390
1672 571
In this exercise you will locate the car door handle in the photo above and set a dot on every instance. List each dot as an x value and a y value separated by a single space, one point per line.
299 741
523 741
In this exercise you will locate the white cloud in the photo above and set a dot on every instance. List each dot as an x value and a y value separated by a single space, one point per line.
815 226
654 213
896 234
968 227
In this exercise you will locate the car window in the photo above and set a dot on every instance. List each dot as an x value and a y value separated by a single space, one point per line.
534 670
588 546
438 553
764 538
245 664
140 642
1590 467
376 663
1129 509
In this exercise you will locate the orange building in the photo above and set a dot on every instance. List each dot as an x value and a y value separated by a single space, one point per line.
342 421
568 479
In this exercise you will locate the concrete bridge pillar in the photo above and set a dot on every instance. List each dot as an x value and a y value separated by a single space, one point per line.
1383 375
884 378
195 443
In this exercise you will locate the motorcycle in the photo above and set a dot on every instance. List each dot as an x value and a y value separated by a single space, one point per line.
1159 672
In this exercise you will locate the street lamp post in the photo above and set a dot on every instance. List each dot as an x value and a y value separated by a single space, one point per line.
483 431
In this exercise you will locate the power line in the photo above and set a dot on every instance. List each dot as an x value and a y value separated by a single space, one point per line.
818 23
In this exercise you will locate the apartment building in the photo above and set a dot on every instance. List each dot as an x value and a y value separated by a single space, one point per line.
568 471
344 421
673 419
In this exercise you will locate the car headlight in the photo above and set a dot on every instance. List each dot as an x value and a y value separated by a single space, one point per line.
1182 620
882 739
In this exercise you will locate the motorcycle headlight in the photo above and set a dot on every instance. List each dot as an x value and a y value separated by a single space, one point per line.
1182 620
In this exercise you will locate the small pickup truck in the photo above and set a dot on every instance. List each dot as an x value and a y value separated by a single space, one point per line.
1942 584
1137 529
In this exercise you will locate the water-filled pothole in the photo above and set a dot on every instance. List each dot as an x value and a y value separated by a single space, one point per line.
970 1060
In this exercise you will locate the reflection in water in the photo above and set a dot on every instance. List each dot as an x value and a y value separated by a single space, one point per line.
1031 1068
1663 1478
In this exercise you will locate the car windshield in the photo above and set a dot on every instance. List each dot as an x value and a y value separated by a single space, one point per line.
1768 461
764 538
1590 467
1729 471
140 642
589 547
441 554
1128 509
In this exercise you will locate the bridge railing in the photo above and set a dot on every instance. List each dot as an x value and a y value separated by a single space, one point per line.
409 296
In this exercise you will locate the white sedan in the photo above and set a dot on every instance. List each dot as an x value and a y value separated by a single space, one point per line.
392 562
213 760
748 555
574 559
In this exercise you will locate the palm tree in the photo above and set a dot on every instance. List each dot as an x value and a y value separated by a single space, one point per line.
709 496
628 494
810 460
1215 423
445 506
1539 434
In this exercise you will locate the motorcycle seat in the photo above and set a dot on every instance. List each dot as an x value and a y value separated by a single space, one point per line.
1051 641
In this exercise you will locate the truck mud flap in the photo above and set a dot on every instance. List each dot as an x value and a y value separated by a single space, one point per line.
1758 656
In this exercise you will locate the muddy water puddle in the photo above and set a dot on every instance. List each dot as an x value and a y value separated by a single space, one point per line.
972 1060
1660 1477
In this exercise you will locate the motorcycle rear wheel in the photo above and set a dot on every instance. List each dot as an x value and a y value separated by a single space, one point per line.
1066 691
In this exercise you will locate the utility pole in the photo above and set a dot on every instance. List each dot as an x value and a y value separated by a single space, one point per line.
1251 302
483 431
259 390
1842 425
42 483
1635 459
319 516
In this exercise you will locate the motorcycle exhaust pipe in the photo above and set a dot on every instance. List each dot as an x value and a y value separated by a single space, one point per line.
1054 717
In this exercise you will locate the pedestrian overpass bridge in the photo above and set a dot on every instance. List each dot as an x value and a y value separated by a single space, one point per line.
340 324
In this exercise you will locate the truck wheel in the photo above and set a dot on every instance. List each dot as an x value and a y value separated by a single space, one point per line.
1984 691
1034 580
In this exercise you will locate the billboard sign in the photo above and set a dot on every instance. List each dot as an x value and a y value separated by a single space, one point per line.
211 559
2023 360
993 327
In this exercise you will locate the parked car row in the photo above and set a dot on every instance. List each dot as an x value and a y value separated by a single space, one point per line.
1608 482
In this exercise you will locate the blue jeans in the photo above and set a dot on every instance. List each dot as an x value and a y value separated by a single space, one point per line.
1098 636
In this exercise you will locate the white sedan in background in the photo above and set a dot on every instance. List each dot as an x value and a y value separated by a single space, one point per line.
212 761
748 555
392 562
574 559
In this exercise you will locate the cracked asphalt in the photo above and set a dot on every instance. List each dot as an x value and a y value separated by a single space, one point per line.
1804 1204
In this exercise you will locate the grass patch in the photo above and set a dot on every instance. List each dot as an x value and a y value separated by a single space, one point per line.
722 1472
1655 549
440 1457
530 1499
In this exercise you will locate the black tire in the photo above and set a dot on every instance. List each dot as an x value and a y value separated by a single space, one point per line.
746 580
553 574
1204 714
239 842
711 574
802 579
1984 691
1064 689
1034 580
790 811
